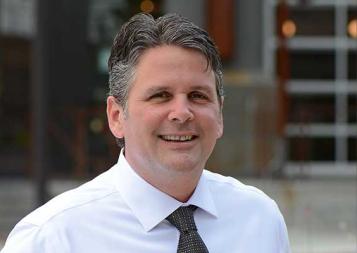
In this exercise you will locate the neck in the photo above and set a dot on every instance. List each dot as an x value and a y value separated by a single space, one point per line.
180 187
177 184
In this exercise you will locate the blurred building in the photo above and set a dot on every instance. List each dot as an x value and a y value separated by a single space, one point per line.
290 76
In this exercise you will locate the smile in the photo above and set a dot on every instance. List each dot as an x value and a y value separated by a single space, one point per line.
179 138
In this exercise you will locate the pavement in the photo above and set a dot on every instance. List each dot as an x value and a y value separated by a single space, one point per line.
321 215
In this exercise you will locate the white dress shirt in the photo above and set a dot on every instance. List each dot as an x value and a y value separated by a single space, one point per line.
120 212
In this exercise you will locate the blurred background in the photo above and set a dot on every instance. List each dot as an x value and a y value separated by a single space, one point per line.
290 111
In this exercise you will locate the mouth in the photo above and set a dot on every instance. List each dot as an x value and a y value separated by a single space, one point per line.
178 138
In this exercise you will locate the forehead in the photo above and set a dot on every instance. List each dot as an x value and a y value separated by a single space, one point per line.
172 54
170 63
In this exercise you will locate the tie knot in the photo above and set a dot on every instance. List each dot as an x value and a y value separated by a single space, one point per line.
182 219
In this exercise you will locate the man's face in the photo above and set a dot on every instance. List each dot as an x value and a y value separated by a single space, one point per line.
173 116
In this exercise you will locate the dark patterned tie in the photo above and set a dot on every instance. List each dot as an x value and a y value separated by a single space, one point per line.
190 241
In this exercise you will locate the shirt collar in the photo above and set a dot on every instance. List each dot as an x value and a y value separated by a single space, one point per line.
150 205
202 197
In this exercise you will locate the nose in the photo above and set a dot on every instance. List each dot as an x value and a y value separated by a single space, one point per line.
180 110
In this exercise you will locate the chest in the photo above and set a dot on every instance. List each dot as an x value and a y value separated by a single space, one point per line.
127 236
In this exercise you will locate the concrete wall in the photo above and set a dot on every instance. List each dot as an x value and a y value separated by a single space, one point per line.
193 10
247 145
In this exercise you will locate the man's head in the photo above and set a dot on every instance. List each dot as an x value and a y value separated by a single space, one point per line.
143 32
165 100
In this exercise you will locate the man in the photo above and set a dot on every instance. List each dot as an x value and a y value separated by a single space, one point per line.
165 109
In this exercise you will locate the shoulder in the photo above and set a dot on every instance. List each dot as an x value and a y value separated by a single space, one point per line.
231 185
246 208
232 193
86 196
48 226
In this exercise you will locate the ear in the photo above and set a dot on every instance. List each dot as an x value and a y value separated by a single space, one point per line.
115 115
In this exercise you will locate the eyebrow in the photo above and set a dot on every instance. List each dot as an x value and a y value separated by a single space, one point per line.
157 89
160 88
201 87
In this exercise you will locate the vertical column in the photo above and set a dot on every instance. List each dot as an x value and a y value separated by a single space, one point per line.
341 105
221 25
283 70
268 39
39 94
248 41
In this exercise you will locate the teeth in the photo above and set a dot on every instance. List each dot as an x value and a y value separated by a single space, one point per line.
177 138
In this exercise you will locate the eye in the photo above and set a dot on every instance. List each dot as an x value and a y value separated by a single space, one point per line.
162 95
196 95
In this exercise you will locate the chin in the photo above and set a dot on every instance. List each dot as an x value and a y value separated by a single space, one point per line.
184 165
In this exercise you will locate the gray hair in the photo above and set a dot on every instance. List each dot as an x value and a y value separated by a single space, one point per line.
142 32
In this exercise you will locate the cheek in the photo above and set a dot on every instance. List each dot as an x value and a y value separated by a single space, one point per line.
213 123
218 129
156 112
147 119
220 125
